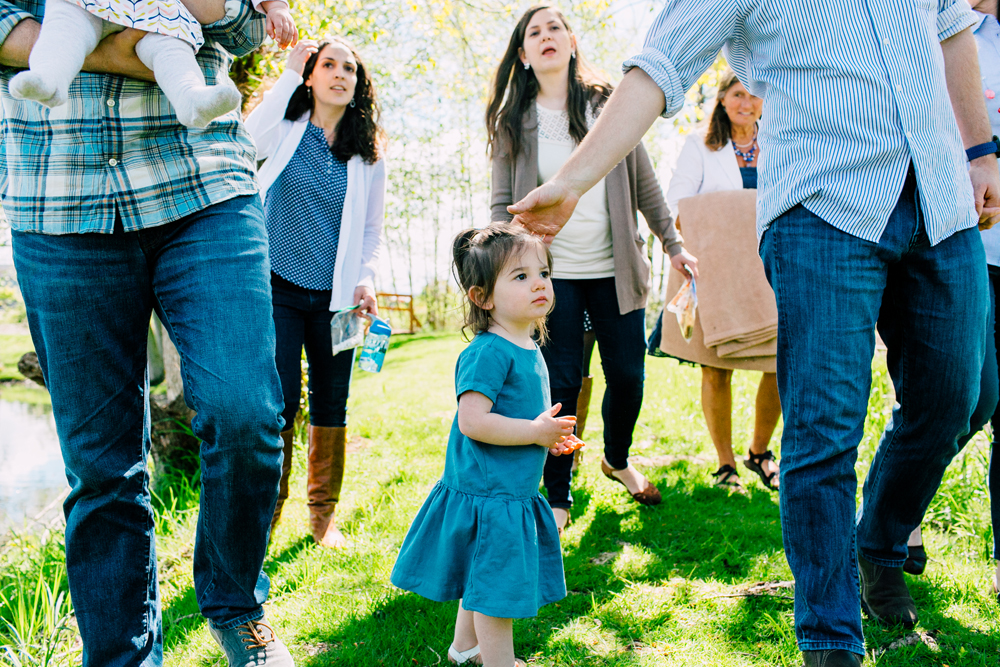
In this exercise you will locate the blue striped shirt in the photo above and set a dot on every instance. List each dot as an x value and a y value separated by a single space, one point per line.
853 91
116 144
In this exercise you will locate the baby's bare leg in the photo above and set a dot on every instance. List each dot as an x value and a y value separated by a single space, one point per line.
181 80
206 11
67 36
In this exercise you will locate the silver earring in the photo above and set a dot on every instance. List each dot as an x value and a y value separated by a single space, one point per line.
527 66
309 92
573 55
351 103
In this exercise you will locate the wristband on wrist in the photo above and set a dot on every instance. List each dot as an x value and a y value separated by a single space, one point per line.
989 148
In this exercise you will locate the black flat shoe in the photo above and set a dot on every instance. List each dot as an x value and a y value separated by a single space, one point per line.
916 560
830 658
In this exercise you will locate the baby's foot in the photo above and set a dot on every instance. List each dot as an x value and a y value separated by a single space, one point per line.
203 104
30 85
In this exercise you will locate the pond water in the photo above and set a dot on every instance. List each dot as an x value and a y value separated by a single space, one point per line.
31 469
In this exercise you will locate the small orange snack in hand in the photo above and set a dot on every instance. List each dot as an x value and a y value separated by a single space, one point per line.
574 443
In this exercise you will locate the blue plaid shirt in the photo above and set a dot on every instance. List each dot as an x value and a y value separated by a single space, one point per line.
116 144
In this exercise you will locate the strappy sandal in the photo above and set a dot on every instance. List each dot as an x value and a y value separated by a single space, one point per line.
457 657
649 496
755 463
727 477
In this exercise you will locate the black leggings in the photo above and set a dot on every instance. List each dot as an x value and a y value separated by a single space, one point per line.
302 318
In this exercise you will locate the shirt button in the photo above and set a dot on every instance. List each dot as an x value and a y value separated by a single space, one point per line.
111 103
885 42
112 162
899 89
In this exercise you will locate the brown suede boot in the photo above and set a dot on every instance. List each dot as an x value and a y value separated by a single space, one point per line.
582 408
327 451
288 438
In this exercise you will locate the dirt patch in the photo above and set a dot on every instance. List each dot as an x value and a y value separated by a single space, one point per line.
356 443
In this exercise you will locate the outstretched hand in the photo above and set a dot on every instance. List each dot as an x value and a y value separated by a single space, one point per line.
281 27
685 263
545 209
550 431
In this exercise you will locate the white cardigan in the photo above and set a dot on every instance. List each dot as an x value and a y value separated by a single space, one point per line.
700 169
364 204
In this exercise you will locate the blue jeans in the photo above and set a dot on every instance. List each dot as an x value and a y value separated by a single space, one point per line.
302 319
829 288
621 341
89 298
989 394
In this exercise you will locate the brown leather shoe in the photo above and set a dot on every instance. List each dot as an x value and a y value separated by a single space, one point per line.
831 658
327 452
884 595
648 496
288 439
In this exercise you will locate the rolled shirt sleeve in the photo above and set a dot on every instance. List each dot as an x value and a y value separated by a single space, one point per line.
683 42
954 16
10 16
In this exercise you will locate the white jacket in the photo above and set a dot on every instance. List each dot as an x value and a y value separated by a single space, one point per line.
364 204
700 169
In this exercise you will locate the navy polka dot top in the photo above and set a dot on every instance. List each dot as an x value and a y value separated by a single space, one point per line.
303 209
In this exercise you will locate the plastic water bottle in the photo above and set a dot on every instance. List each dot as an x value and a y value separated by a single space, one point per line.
376 343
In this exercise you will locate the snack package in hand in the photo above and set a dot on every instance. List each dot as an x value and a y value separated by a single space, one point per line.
685 305
347 330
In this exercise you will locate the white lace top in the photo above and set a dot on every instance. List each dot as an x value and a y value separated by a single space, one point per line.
583 249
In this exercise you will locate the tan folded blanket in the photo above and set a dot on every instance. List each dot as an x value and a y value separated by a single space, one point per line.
735 301
737 350
694 350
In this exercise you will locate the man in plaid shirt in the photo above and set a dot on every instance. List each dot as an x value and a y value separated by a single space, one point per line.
117 210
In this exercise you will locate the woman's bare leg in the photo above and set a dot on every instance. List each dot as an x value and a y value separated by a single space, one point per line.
766 416
717 404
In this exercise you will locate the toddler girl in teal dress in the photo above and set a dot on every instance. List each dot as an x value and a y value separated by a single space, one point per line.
485 536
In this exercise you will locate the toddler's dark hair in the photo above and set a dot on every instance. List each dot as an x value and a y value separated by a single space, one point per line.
480 255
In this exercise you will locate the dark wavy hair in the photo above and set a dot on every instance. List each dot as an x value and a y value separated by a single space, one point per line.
515 89
480 255
720 129
359 131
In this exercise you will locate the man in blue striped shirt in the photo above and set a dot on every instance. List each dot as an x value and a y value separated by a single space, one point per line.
867 212
117 209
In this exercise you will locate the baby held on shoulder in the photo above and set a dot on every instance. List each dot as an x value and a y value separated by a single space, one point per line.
72 29
502 558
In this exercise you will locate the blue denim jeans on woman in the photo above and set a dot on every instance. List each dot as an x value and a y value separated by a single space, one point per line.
830 287
89 298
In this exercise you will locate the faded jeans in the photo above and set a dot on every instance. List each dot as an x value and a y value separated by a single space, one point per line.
89 299
829 288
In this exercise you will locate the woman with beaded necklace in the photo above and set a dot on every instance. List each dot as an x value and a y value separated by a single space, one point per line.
725 157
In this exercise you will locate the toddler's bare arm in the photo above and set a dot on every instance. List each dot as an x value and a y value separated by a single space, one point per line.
206 11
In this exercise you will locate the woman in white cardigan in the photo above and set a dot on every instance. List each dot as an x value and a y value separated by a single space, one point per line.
725 157
323 188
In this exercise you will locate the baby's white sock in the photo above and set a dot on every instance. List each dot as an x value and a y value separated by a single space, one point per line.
177 72
67 36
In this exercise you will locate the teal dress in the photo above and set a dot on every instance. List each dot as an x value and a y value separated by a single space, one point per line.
485 534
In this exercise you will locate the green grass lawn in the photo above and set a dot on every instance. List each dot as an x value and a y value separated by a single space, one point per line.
12 346
700 580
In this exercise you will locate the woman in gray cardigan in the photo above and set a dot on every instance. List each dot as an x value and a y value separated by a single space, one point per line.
544 100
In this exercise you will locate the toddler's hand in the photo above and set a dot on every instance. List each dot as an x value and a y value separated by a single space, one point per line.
551 430
281 27
568 445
